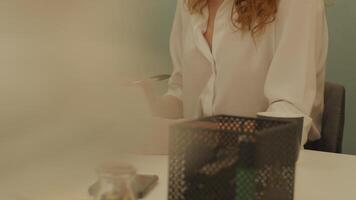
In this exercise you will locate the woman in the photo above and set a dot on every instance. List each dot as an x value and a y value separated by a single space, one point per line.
247 57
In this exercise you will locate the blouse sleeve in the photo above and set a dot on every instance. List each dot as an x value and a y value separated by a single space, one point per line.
175 81
291 84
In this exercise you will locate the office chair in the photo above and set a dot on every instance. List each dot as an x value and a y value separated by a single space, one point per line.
333 120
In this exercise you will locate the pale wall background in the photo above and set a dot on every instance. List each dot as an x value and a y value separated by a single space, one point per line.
342 61
61 62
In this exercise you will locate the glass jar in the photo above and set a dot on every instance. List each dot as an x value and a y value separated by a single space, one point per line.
115 182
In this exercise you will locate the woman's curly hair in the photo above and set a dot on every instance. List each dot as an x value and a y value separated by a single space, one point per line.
246 15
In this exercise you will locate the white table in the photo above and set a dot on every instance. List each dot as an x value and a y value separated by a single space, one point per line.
320 176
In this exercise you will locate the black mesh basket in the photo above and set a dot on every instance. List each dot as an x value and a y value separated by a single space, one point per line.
233 158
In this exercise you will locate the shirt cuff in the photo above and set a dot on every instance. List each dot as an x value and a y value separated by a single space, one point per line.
287 110
175 92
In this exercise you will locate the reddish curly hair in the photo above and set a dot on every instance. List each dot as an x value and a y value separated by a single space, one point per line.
246 15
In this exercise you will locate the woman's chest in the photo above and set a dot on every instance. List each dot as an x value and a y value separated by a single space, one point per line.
230 49
213 8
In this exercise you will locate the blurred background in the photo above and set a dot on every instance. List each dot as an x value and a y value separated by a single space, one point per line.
61 103
61 67
341 66
61 62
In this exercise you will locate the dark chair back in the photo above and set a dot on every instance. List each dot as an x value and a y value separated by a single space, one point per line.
333 120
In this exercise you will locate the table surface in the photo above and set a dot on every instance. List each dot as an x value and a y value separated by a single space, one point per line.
319 176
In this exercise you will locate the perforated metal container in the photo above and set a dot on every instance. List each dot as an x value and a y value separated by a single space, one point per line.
233 158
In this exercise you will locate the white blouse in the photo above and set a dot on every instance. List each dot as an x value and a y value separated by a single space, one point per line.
280 73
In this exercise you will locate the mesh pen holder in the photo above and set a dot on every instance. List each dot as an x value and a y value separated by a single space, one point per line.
233 158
